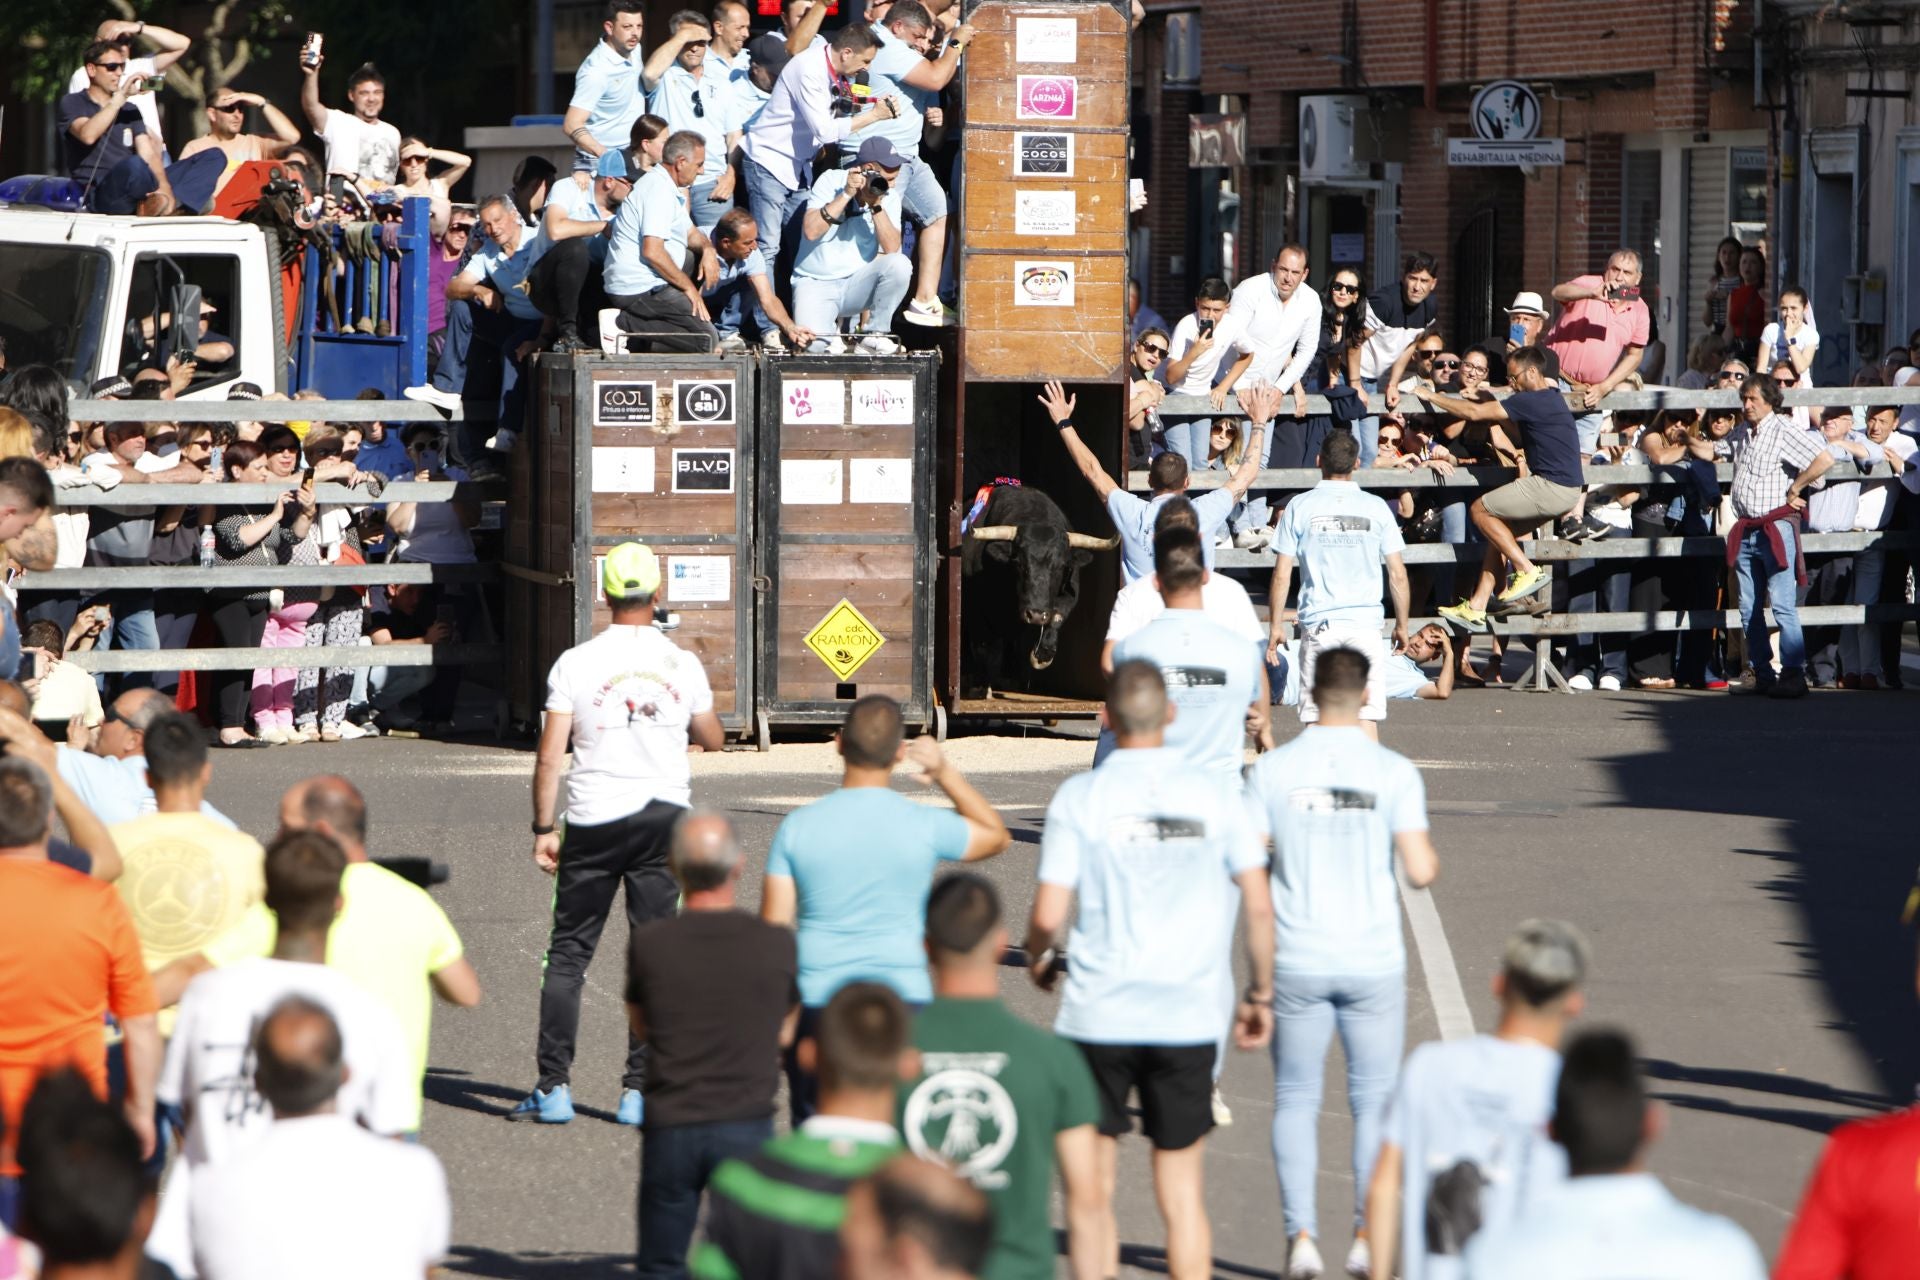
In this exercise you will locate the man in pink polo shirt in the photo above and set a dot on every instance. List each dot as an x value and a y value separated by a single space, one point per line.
1597 337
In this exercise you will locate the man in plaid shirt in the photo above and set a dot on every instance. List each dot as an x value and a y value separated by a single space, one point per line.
1770 481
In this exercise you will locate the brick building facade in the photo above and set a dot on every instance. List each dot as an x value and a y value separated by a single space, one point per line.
1665 150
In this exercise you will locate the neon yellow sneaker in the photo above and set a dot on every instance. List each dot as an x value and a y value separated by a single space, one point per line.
1465 615
1524 585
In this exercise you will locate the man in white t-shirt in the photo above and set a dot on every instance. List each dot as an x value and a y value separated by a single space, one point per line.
356 1204
1154 849
1193 366
1340 535
627 701
209 1072
361 147
1465 1142
167 48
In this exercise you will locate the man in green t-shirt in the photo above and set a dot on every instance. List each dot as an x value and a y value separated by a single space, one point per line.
776 1215
1000 1100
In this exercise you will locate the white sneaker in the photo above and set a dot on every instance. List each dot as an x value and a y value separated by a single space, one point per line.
1580 684
1609 684
930 312
880 344
1360 1259
1222 541
349 731
774 344
732 344
1253 539
827 344
1222 1114
503 440
434 396
1303 1259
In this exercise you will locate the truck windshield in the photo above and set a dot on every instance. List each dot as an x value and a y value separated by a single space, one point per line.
53 306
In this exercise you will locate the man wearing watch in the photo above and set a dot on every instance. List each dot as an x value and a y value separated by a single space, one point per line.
850 261
627 702
1342 811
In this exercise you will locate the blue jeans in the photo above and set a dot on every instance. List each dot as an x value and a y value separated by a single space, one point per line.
1860 645
1764 581
675 1162
1371 1014
476 336
774 204
1599 586
393 685
133 628
879 287
727 305
1369 427
1190 439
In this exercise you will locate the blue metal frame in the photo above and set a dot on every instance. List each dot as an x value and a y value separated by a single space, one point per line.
340 363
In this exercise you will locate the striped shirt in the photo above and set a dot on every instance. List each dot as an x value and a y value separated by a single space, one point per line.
775 1215
1775 454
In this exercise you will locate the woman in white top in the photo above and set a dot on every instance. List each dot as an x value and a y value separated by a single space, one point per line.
1793 336
414 157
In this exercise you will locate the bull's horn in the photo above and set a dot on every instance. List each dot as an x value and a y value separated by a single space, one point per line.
1087 542
997 532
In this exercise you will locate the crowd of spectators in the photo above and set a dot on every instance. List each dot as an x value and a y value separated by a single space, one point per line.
1419 399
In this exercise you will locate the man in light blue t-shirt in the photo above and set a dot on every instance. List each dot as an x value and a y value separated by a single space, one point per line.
1167 478
1154 850
849 261
1339 535
1340 808
648 255
744 286
606 89
1466 1143
690 91
1213 676
850 873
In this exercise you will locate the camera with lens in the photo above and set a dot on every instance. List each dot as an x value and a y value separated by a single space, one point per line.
850 95
877 183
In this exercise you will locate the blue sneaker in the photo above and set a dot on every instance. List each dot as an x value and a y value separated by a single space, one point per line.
555 1106
632 1108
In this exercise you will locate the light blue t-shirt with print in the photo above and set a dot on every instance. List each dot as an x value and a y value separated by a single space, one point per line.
888 75
1150 846
607 88
654 208
1332 800
752 265
703 104
1133 516
861 861
1212 676
1340 535
1484 1101
845 248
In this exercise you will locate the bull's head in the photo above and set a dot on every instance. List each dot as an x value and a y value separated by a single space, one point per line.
1046 576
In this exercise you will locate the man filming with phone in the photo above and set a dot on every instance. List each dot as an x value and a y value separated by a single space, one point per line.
1193 366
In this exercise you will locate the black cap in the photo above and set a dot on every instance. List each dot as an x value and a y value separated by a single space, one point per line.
769 51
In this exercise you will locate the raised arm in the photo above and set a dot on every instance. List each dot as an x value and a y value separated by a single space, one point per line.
167 44
668 52
1473 410
1261 401
1059 406
807 28
310 97
987 832
938 73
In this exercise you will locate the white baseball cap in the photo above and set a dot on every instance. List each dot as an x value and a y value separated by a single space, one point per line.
1527 304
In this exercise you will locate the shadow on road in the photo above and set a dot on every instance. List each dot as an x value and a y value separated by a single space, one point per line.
1826 769
453 1089
471 1260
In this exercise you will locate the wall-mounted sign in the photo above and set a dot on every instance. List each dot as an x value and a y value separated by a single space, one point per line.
1043 213
1042 284
883 402
813 402
1216 141
621 469
1043 155
1481 154
623 404
703 470
703 403
1506 130
1047 97
1045 40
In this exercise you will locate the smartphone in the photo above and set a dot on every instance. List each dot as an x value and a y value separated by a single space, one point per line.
310 49
1627 292
1204 326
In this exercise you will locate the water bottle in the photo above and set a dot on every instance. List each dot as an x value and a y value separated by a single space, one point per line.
206 546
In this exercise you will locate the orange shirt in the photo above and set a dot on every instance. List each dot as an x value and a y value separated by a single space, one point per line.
68 955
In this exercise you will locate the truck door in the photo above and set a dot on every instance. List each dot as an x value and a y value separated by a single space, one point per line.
146 334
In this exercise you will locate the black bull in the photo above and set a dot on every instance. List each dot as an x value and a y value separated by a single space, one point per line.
1021 535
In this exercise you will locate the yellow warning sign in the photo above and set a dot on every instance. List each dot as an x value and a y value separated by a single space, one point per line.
844 639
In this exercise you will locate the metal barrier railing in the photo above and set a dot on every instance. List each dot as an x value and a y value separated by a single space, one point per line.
217 576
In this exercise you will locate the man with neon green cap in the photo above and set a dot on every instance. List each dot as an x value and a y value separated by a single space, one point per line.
627 701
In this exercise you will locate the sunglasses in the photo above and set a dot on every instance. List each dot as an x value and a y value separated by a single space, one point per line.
1732 375
413 159
1779 381
286 448
698 110
1340 286
112 716
231 108
111 66
1155 352
464 228
1446 364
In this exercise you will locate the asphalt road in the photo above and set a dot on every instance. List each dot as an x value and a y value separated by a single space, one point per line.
1739 866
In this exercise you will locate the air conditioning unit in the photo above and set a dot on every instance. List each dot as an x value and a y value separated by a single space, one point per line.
1329 148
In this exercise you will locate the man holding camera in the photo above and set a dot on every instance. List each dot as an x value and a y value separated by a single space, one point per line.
850 260
108 145
812 104
1599 335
